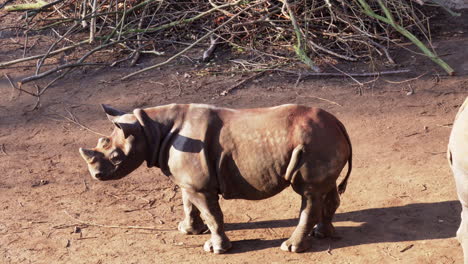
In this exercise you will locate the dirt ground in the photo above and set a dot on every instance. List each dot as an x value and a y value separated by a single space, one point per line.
400 205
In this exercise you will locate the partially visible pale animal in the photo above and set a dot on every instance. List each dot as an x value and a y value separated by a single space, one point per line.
458 158
239 154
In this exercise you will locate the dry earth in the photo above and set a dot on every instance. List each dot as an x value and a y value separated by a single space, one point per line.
400 205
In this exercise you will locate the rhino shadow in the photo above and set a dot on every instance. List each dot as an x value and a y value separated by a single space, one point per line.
418 221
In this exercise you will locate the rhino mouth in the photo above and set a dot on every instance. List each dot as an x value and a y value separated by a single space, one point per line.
114 175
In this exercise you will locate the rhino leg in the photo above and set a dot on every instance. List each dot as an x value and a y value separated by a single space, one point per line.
211 212
192 223
462 232
461 180
310 215
325 227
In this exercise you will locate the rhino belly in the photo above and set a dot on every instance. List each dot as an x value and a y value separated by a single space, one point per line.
254 180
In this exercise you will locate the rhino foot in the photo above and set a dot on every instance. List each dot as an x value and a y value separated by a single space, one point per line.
192 229
323 230
291 245
217 247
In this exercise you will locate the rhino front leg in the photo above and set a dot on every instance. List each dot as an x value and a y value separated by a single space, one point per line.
309 216
211 212
192 223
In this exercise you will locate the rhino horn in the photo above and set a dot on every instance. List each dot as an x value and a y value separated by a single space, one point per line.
112 113
87 154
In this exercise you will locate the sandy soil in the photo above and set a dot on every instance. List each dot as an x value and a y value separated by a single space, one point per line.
400 205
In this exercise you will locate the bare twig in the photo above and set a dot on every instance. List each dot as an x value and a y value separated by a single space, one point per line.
2 149
92 26
8 63
41 61
347 74
208 54
16 88
348 58
56 69
75 121
319 98
88 223
241 83
300 41
408 80
189 47
389 19
364 74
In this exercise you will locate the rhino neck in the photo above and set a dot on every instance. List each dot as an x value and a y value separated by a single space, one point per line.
162 125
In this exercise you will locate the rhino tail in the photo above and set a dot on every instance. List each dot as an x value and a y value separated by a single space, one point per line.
344 183
294 163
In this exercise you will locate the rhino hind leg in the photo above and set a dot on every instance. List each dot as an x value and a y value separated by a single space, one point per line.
309 216
461 181
211 212
462 232
325 227
192 223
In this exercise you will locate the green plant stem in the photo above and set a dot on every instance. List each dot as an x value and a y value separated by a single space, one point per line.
25 7
390 20
300 48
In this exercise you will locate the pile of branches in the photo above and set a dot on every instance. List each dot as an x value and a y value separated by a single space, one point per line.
312 31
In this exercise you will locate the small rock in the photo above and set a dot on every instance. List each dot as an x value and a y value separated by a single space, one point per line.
77 229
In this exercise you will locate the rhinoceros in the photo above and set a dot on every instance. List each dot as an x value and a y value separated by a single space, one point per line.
458 159
248 154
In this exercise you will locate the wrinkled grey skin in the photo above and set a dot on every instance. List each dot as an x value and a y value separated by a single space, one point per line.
458 159
239 154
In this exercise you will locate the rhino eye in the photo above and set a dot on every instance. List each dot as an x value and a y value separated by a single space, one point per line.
103 142
115 158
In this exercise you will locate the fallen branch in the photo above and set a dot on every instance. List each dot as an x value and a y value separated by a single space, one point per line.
56 69
8 63
189 47
79 63
16 88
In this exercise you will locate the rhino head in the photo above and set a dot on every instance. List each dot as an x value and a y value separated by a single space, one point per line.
122 152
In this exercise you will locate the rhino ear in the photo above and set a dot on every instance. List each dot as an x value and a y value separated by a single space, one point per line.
87 154
112 113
